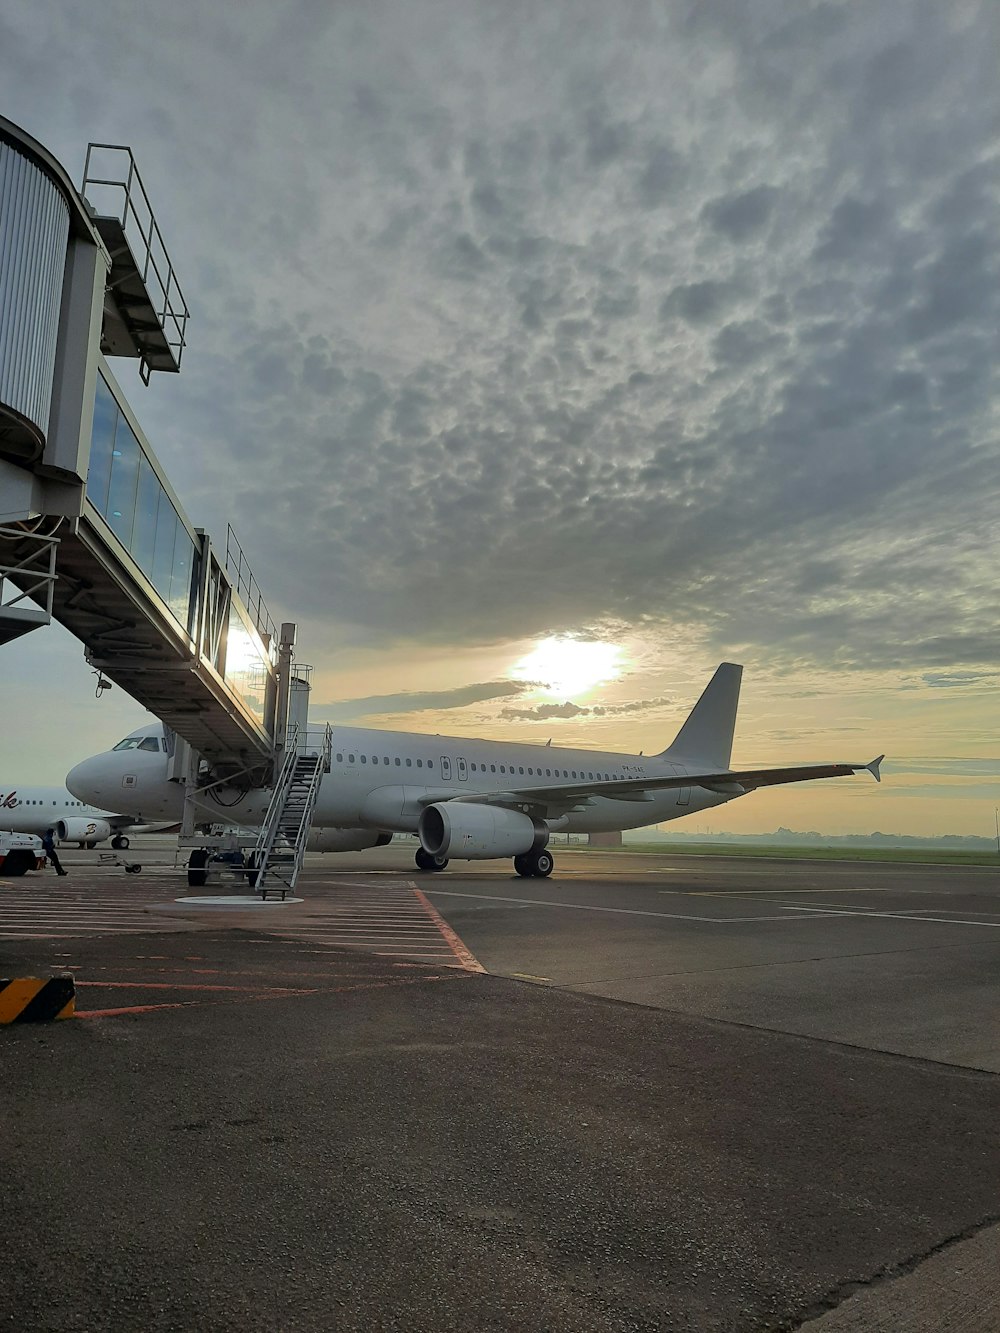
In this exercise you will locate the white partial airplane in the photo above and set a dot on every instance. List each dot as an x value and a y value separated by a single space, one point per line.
35 809
473 799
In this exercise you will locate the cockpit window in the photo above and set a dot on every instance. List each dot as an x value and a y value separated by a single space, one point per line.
139 743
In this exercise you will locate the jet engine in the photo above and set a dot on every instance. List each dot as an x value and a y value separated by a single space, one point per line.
346 839
453 829
84 831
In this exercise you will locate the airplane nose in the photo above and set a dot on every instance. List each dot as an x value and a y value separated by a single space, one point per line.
88 780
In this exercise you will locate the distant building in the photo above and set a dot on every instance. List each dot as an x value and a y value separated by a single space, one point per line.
604 839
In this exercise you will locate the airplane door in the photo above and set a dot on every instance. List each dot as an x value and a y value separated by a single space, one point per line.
683 793
446 768
463 769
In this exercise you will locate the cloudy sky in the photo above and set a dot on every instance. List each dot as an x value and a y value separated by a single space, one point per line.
666 331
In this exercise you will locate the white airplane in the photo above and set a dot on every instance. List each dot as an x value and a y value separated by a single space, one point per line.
35 809
473 799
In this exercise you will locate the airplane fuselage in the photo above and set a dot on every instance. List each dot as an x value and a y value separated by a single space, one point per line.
383 779
35 809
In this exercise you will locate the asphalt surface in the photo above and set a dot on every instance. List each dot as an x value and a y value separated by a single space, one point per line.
902 958
259 1131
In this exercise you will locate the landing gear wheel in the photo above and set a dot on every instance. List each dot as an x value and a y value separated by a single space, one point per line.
133 869
252 873
534 865
543 863
197 874
425 861
119 842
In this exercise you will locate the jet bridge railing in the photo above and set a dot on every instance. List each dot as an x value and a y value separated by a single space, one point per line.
115 193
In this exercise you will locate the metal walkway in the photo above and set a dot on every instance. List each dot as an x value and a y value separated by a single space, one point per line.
91 532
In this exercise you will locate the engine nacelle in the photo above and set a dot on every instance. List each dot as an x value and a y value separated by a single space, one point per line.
83 830
346 839
478 832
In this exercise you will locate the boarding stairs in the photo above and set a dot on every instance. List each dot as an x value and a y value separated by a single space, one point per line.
281 844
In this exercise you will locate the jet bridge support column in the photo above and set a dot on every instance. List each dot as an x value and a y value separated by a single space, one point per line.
183 766
286 647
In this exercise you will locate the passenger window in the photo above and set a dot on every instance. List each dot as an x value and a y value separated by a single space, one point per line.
397 763
409 763
340 758
430 763
364 759
547 773
530 771
574 772
350 758
420 763
493 768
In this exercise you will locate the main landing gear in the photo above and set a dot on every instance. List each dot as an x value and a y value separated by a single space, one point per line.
536 864
119 842
427 862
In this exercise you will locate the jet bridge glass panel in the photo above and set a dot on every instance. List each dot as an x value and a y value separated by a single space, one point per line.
246 663
124 488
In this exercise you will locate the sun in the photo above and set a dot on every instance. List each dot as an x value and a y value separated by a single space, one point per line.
563 666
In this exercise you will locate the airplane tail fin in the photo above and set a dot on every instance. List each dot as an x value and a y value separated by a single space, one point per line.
707 735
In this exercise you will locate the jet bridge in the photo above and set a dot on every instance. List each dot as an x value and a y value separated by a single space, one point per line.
91 532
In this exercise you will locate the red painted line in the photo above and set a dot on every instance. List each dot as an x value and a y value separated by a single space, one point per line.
177 985
132 1009
466 957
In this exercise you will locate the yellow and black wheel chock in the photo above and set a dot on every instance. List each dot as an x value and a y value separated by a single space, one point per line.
36 999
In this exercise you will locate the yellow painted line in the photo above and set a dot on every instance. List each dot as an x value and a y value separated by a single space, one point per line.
528 976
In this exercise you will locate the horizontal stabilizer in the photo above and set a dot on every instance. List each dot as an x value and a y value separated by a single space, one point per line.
873 768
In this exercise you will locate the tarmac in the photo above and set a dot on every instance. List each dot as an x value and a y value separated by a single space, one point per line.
648 1093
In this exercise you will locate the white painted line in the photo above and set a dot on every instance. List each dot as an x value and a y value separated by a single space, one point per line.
890 916
617 911
740 893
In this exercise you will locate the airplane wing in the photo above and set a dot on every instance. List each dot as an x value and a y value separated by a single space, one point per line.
566 796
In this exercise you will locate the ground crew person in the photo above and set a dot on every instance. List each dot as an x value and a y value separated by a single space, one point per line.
49 847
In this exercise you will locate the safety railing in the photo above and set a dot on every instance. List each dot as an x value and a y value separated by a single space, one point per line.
117 191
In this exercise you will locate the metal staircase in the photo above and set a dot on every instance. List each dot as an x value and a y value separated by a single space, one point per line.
281 844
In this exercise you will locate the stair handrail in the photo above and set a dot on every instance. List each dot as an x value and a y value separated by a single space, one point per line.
265 838
305 821
321 764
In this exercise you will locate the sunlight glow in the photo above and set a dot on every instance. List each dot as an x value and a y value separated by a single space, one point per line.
564 666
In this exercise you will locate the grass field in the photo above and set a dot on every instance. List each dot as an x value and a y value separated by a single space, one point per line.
925 856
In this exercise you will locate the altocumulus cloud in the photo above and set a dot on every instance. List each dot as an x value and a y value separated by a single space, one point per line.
508 322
